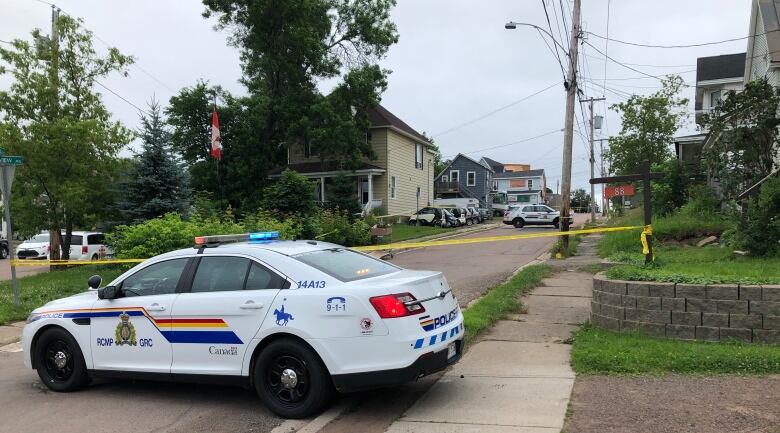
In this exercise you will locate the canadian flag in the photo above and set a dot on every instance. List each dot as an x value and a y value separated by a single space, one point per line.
216 140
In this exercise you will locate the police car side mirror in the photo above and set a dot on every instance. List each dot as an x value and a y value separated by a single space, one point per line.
108 292
94 281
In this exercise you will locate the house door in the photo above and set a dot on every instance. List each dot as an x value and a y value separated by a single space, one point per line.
363 190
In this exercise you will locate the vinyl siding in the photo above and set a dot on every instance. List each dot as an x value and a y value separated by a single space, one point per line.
482 177
400 163
380 183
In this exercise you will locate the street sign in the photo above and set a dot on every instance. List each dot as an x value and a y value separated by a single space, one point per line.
11 160
619 190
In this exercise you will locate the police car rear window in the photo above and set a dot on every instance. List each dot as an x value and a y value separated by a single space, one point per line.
346 265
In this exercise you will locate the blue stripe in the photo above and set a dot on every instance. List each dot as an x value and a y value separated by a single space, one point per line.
418 344
202 337
433 340
132 313
443 336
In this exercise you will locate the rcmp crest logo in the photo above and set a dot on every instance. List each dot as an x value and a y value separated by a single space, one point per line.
125 331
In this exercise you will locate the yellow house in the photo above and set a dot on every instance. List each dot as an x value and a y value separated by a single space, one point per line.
399 180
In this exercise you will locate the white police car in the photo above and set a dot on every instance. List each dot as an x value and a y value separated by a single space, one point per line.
296 320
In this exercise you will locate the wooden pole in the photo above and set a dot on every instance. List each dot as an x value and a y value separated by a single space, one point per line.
648 206
568 135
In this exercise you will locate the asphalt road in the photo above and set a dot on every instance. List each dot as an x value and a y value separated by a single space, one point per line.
129 406
472 269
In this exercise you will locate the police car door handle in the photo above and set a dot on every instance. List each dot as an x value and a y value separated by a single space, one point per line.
155 307
250 305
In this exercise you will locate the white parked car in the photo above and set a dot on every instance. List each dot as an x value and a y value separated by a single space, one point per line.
521 215
295 320
83 246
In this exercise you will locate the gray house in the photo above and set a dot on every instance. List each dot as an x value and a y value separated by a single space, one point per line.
464 177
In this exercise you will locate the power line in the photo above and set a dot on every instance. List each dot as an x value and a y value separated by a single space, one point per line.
557 23
509 144
702 44
630 67
511 104
645 64
563 18
555 52
122 98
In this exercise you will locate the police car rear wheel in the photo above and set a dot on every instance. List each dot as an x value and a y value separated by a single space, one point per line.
291 380
518 222
60 363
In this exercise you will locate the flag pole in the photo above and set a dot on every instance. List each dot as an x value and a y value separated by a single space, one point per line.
219 162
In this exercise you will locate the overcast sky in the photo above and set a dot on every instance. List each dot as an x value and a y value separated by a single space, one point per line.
454 63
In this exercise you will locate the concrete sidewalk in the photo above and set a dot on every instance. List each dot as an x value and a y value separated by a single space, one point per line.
518 378
11 333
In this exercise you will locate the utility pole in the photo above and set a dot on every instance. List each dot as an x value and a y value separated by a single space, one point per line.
568 135
604 200
592 160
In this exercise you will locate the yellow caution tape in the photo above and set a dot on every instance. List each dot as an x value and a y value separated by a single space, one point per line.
403 245
72 262
646 231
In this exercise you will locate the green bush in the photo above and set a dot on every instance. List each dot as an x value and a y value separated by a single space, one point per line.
292 194
702 201
758 230
334 226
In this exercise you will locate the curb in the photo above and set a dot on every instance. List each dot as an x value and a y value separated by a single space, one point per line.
393 252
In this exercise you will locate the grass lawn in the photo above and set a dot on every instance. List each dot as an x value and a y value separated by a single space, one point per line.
37 290
678 262
501 300
403 232
558 247
598 351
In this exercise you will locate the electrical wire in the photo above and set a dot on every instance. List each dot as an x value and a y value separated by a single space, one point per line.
630 67
488 114
702 44
645 64
558 24
123 98
554 53
524 140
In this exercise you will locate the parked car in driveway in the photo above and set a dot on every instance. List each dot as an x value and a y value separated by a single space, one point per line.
83 246
476 216
522 215
427 216
448 219
462 215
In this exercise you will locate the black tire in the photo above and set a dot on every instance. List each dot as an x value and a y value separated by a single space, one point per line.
59 361
94 257
469 222
3 252
312 390
518 223
556 223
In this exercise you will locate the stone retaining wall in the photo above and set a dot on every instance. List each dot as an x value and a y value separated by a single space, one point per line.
688 311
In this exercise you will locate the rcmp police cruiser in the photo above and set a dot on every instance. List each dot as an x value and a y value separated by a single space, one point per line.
295 320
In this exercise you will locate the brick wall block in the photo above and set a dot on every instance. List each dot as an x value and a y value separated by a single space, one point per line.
737 307
662 290
635 288
772 322
614 286
770 292
686 318
739 334
682 332
612 311
595 307
766 308
605 322
648 316
648 303
749 293
673 304
715 320
767 336
704 305
629 301
652 329
745 321
611 299
707 333
722 291
690 291
598 280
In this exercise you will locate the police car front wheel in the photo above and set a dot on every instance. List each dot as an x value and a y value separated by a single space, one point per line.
291 379
59 361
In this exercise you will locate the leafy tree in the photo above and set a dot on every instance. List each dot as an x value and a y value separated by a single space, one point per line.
648 126
157 183
580 199
344 195
744 137
291 194
758 231
287 48
51 116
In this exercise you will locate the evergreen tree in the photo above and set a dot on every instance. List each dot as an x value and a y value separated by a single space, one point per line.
157 183
344 195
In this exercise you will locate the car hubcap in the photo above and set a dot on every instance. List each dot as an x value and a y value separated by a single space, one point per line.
288 379
58 361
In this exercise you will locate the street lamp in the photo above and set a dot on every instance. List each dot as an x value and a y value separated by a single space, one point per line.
512 25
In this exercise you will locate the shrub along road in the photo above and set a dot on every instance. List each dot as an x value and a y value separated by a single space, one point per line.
470 270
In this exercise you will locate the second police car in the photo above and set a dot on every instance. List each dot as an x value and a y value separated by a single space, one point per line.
295 320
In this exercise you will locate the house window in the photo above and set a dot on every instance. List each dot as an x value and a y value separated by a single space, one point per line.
715 98
311 150
471 178
418 155
495 185
523 198
455 175
530 183
445 179
392 186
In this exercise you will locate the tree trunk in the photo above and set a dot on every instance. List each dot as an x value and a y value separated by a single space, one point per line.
67 240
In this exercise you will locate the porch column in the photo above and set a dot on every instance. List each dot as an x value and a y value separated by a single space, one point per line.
370 189
322 189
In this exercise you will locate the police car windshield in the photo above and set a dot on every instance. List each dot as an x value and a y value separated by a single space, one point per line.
346 265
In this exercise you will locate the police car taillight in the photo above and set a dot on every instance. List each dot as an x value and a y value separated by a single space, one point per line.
392 306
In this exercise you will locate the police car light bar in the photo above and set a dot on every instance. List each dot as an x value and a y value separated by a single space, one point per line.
223 239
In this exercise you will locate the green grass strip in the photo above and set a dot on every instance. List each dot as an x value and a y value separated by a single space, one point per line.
605 352
501 300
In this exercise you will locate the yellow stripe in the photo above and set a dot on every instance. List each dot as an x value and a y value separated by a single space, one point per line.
195 325
402 245
71 262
